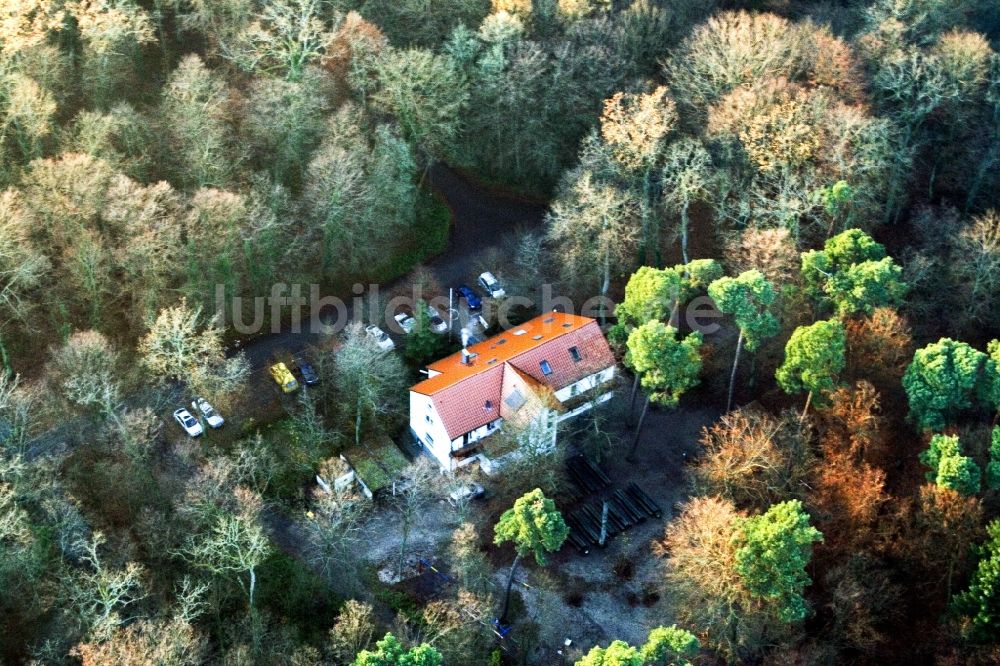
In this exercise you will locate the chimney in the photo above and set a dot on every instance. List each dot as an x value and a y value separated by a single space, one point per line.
467 357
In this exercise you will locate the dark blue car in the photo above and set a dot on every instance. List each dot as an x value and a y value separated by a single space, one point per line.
475 303
307 372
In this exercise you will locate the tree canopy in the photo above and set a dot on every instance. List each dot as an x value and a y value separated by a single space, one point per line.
534 525
772 553
814 358
943 380
667 367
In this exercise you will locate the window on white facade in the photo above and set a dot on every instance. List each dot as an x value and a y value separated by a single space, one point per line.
574 389
546 368
429 419
428 439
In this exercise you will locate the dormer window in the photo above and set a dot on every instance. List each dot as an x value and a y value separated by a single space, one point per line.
574 353
546 368
488 406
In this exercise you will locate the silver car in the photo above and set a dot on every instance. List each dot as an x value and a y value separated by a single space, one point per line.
380 337
405 322
489 282
190 424
212 418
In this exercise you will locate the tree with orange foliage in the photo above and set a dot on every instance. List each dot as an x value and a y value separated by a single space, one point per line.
352 51
147 643
847 490
852 424
879 348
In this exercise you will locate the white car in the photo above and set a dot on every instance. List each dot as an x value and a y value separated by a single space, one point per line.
405 322
188 422
466 491
380 337
212 418
489 282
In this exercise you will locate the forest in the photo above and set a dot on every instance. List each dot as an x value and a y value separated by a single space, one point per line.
824 175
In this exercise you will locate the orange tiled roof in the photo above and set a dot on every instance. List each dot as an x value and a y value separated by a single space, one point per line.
467 396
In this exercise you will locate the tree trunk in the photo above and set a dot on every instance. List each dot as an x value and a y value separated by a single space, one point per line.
684 233
606 284
604 524
651 240
357 425
5 368
732 375
253 585
638 431
402 546
805 409
510 583
635 390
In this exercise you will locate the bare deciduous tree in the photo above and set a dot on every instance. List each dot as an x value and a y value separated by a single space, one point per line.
595 228
100 594
754 459
182 346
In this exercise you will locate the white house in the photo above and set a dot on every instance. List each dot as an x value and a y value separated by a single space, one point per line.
549 369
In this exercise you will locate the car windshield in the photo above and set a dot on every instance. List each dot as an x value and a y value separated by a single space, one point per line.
206 409
188 419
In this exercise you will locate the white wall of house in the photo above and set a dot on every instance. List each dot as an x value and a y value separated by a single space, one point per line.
426 424
585 384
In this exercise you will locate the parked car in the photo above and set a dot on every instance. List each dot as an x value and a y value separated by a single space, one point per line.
188 422
436 323
491 285
308 373
405 322
284 378
478 323
466 491
471 297
380 337
212 418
